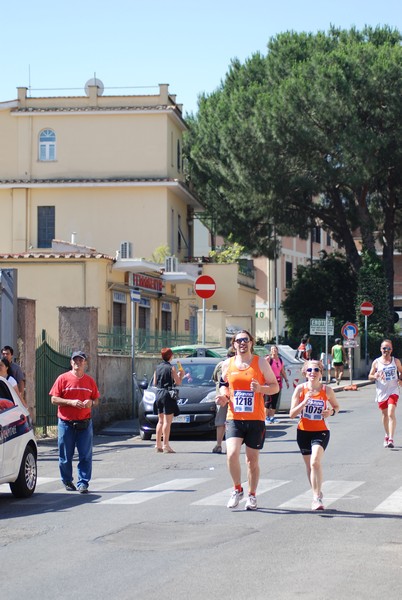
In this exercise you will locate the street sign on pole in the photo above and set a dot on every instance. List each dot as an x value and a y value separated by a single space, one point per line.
366 308
205 286
350 344
135 295
349 331
322 326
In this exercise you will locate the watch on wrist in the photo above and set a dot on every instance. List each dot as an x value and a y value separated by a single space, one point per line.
333 412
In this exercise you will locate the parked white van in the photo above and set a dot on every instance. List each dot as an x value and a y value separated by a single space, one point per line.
293 368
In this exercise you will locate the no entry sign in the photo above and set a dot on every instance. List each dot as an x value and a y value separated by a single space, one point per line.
205 286
366 308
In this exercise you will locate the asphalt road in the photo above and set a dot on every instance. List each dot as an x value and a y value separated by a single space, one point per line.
157 526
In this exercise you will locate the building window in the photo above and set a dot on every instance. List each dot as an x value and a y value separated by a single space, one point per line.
47 145
288 273
328 239
316 235
46 226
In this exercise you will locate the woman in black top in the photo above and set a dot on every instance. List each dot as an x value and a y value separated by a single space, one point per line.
165 377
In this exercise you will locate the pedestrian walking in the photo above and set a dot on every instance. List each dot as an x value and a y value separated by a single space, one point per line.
75 393
338 359
15 369
314 402
244 381
386 371
221 411
271 402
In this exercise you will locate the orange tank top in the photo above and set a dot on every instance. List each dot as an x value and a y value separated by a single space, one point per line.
244 404
311 416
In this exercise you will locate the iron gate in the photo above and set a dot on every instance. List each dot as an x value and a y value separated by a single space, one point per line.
50 363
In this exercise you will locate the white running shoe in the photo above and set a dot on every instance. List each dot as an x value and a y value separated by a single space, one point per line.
386 441
251 503
235 499
317 504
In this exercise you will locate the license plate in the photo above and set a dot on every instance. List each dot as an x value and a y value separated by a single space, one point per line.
181 419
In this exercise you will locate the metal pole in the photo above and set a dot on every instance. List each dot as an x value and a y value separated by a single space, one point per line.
203 321
133 354
350 358
277 315
366 341
327 315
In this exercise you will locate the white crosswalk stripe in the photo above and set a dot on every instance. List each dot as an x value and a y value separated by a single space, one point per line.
44 480
122 491
155 491
332 490
392 504
96 485
221 498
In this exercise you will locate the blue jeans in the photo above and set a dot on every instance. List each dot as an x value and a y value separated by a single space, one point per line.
69 439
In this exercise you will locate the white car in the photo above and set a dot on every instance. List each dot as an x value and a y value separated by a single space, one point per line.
18 449
293 368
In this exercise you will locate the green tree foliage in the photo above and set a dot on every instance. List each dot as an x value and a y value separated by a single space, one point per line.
229 253
310 133
160 253
372 287
328 284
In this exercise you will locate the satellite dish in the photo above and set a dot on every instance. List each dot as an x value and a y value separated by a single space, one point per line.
97 82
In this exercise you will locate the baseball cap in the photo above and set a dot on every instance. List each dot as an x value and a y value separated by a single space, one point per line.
78 354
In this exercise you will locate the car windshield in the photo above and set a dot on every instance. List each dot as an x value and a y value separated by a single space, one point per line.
198 374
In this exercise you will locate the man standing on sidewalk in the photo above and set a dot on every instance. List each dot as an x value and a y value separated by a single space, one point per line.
385 371
244 381
75 393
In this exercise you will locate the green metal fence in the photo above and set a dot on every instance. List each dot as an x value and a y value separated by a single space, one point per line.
118 340
51 360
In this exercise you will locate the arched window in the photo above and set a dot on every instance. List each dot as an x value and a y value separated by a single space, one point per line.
47 145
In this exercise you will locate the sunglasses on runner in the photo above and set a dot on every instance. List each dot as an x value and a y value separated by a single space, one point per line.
386 348
309 370
241 340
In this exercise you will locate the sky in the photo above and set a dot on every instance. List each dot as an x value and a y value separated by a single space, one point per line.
134 45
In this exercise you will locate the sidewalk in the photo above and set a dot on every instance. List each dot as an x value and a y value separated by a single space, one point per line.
131 426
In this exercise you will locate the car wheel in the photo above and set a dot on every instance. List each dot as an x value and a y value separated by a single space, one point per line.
145 435
25 484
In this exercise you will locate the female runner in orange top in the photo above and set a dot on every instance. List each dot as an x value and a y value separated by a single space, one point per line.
313 402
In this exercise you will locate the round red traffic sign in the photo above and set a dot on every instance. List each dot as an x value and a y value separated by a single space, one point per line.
366 308
205 286
349 331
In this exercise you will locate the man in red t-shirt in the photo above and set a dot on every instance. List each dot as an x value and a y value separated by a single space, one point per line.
75 393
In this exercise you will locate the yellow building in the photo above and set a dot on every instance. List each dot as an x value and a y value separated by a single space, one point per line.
90 187
105 174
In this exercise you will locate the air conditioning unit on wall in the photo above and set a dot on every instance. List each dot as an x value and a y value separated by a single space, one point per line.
171 264
126 250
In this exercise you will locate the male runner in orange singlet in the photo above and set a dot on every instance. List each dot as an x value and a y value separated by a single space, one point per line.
244 381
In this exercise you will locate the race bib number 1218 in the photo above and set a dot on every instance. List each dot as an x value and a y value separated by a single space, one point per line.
243 401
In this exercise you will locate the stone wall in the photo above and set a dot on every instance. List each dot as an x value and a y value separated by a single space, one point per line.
116 389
